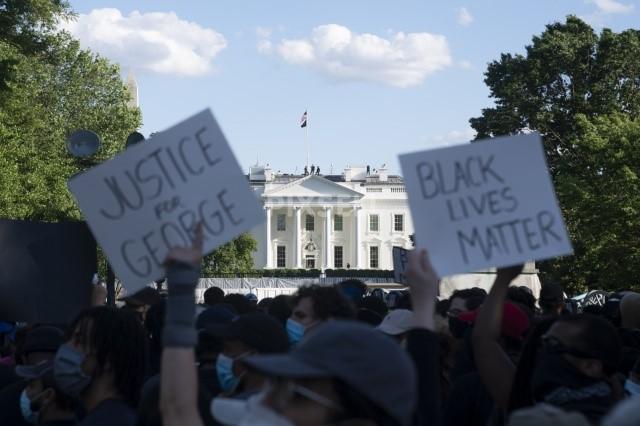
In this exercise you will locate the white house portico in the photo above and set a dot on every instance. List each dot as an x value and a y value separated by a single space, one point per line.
330 222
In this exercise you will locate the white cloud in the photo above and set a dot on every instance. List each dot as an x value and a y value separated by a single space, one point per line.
467 65
465 18
401 60
612 6
156 41
454 137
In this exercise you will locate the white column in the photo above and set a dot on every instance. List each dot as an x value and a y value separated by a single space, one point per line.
327 237
268 236
356 225
296 241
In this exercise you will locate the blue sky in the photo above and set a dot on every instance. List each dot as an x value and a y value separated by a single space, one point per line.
378 78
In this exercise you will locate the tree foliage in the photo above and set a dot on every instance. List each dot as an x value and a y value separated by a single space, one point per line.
28 26
581 91
232 257
47 100
49 87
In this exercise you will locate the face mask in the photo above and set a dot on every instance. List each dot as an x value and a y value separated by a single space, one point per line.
553 371
457 327
67 370
28 414
295 331
632 387
224 369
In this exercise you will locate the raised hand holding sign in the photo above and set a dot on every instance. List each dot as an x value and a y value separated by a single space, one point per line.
148 199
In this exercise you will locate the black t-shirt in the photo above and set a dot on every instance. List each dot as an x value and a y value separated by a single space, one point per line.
7 376
10 405
110 412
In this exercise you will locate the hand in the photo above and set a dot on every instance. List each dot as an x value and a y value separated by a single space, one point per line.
188 255
509 273
421 277
423 283
98 295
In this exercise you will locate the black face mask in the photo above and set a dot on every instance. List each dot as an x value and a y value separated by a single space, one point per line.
457 327
554 371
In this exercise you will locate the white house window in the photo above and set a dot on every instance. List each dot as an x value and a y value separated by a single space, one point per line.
373 257
398 222
281 256
309 223
337 256
281 222
337 222
374 223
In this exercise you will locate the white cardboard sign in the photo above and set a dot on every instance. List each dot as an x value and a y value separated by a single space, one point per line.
484 204
149 198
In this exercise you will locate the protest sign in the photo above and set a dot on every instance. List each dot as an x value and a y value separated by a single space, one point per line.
484 204
400 259
148 199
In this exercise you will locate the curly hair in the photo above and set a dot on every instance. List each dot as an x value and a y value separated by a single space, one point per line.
116 338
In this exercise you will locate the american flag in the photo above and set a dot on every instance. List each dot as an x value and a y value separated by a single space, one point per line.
303 120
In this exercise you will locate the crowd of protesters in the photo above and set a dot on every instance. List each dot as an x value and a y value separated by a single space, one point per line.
329 355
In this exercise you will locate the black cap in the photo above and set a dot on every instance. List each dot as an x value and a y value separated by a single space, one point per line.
551 292
366 360
43 338
257 330
31 372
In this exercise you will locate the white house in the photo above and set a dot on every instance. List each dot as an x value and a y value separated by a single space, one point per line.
330 221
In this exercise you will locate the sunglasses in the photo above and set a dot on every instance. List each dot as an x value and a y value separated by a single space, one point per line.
556 346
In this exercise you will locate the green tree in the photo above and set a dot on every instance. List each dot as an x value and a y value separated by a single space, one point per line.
47 100
29 26
232 257
581 91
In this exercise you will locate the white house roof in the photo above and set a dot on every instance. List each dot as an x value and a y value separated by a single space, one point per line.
311 189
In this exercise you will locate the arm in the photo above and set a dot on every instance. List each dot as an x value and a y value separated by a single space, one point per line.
178 382
494 366
422 342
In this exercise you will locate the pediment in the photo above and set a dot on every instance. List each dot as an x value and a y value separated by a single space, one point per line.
313 188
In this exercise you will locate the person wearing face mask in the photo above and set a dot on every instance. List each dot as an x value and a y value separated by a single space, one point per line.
248 334
102 364
42 402
40 345
339 374
576 364
313 305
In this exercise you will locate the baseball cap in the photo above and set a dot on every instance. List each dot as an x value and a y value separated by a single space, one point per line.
43 338
358 356
397 322
256 329
551 292
514 321
35 371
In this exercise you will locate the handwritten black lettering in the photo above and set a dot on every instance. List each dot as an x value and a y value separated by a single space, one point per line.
205 147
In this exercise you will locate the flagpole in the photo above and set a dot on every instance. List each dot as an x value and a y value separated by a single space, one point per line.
306 138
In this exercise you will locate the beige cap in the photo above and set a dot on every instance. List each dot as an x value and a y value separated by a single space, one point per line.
397 322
